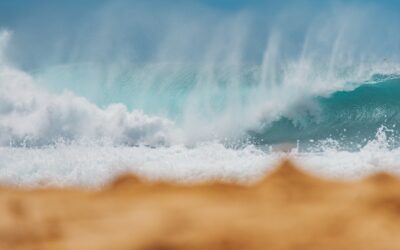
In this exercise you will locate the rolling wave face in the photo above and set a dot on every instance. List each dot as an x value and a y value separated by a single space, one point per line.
349 116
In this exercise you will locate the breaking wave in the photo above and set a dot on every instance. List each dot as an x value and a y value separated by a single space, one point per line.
175 104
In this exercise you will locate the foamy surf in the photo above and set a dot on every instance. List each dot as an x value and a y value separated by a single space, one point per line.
94 164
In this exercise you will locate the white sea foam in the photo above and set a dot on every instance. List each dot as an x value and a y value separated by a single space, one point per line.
93 165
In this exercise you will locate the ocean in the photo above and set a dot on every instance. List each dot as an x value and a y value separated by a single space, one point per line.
192 102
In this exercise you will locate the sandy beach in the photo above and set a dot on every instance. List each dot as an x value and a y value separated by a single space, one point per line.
288 209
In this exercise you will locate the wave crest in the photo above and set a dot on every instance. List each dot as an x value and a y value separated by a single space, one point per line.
29 115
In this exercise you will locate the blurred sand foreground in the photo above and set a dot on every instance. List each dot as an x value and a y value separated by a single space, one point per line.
286 210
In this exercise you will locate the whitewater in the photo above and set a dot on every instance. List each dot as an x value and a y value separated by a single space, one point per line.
333 112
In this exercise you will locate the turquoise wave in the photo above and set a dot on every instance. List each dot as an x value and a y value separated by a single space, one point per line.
354 116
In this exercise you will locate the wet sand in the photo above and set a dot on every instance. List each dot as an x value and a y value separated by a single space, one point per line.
288 209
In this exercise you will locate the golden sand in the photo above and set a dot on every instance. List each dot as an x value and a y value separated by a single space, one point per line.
288 209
